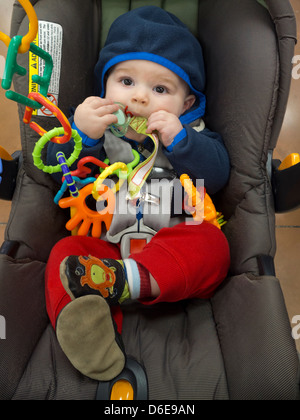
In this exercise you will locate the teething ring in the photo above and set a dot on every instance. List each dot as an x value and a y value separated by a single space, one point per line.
87 217
55 111
37 152
33 28
107 172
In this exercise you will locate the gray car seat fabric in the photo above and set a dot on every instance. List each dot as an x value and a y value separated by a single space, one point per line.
244 113
238 345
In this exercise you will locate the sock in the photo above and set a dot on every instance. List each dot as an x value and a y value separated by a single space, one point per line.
138 279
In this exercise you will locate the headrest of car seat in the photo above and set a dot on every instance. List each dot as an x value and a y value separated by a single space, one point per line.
187 14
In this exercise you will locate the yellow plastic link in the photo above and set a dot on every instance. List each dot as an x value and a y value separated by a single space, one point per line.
5 38
33 28
107 172
204 209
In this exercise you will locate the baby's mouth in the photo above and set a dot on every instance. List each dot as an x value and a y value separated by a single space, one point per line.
133 114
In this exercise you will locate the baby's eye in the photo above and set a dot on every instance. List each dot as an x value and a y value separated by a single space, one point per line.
127 82
160 89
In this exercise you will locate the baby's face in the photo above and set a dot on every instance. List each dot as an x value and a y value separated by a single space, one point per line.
146 87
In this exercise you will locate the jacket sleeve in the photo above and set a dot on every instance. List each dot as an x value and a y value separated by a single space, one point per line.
201 155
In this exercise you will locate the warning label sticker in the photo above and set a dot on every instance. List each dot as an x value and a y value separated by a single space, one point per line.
49 38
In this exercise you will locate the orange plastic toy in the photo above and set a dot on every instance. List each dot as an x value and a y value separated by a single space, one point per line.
85 218
201 209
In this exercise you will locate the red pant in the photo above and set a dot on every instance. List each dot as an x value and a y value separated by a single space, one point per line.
187 261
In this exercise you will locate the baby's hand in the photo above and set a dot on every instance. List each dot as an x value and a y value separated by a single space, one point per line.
168 126
94 115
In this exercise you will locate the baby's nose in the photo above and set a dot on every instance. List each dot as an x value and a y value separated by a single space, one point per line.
140 97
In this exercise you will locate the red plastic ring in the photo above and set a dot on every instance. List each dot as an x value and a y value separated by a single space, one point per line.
55 111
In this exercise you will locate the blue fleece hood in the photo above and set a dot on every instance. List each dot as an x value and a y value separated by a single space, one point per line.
150 33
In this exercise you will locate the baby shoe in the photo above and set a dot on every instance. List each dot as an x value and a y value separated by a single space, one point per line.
82 276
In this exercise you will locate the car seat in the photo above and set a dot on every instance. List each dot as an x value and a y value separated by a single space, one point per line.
237 345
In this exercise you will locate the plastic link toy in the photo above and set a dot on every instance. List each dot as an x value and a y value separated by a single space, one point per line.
85 218
23 44
123 174
201 209
33 28
67 174
82 171
12 68
122 170
37 152
55 111
78 181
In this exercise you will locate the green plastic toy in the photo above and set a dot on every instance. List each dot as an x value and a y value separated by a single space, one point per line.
37 152
12 68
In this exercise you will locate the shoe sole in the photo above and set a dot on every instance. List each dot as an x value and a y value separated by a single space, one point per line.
87 336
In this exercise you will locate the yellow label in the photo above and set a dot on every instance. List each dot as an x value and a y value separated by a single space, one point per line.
33 70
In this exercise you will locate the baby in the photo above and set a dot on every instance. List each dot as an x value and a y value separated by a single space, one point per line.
153 65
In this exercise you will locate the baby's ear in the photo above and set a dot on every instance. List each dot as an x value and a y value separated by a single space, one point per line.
189 102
